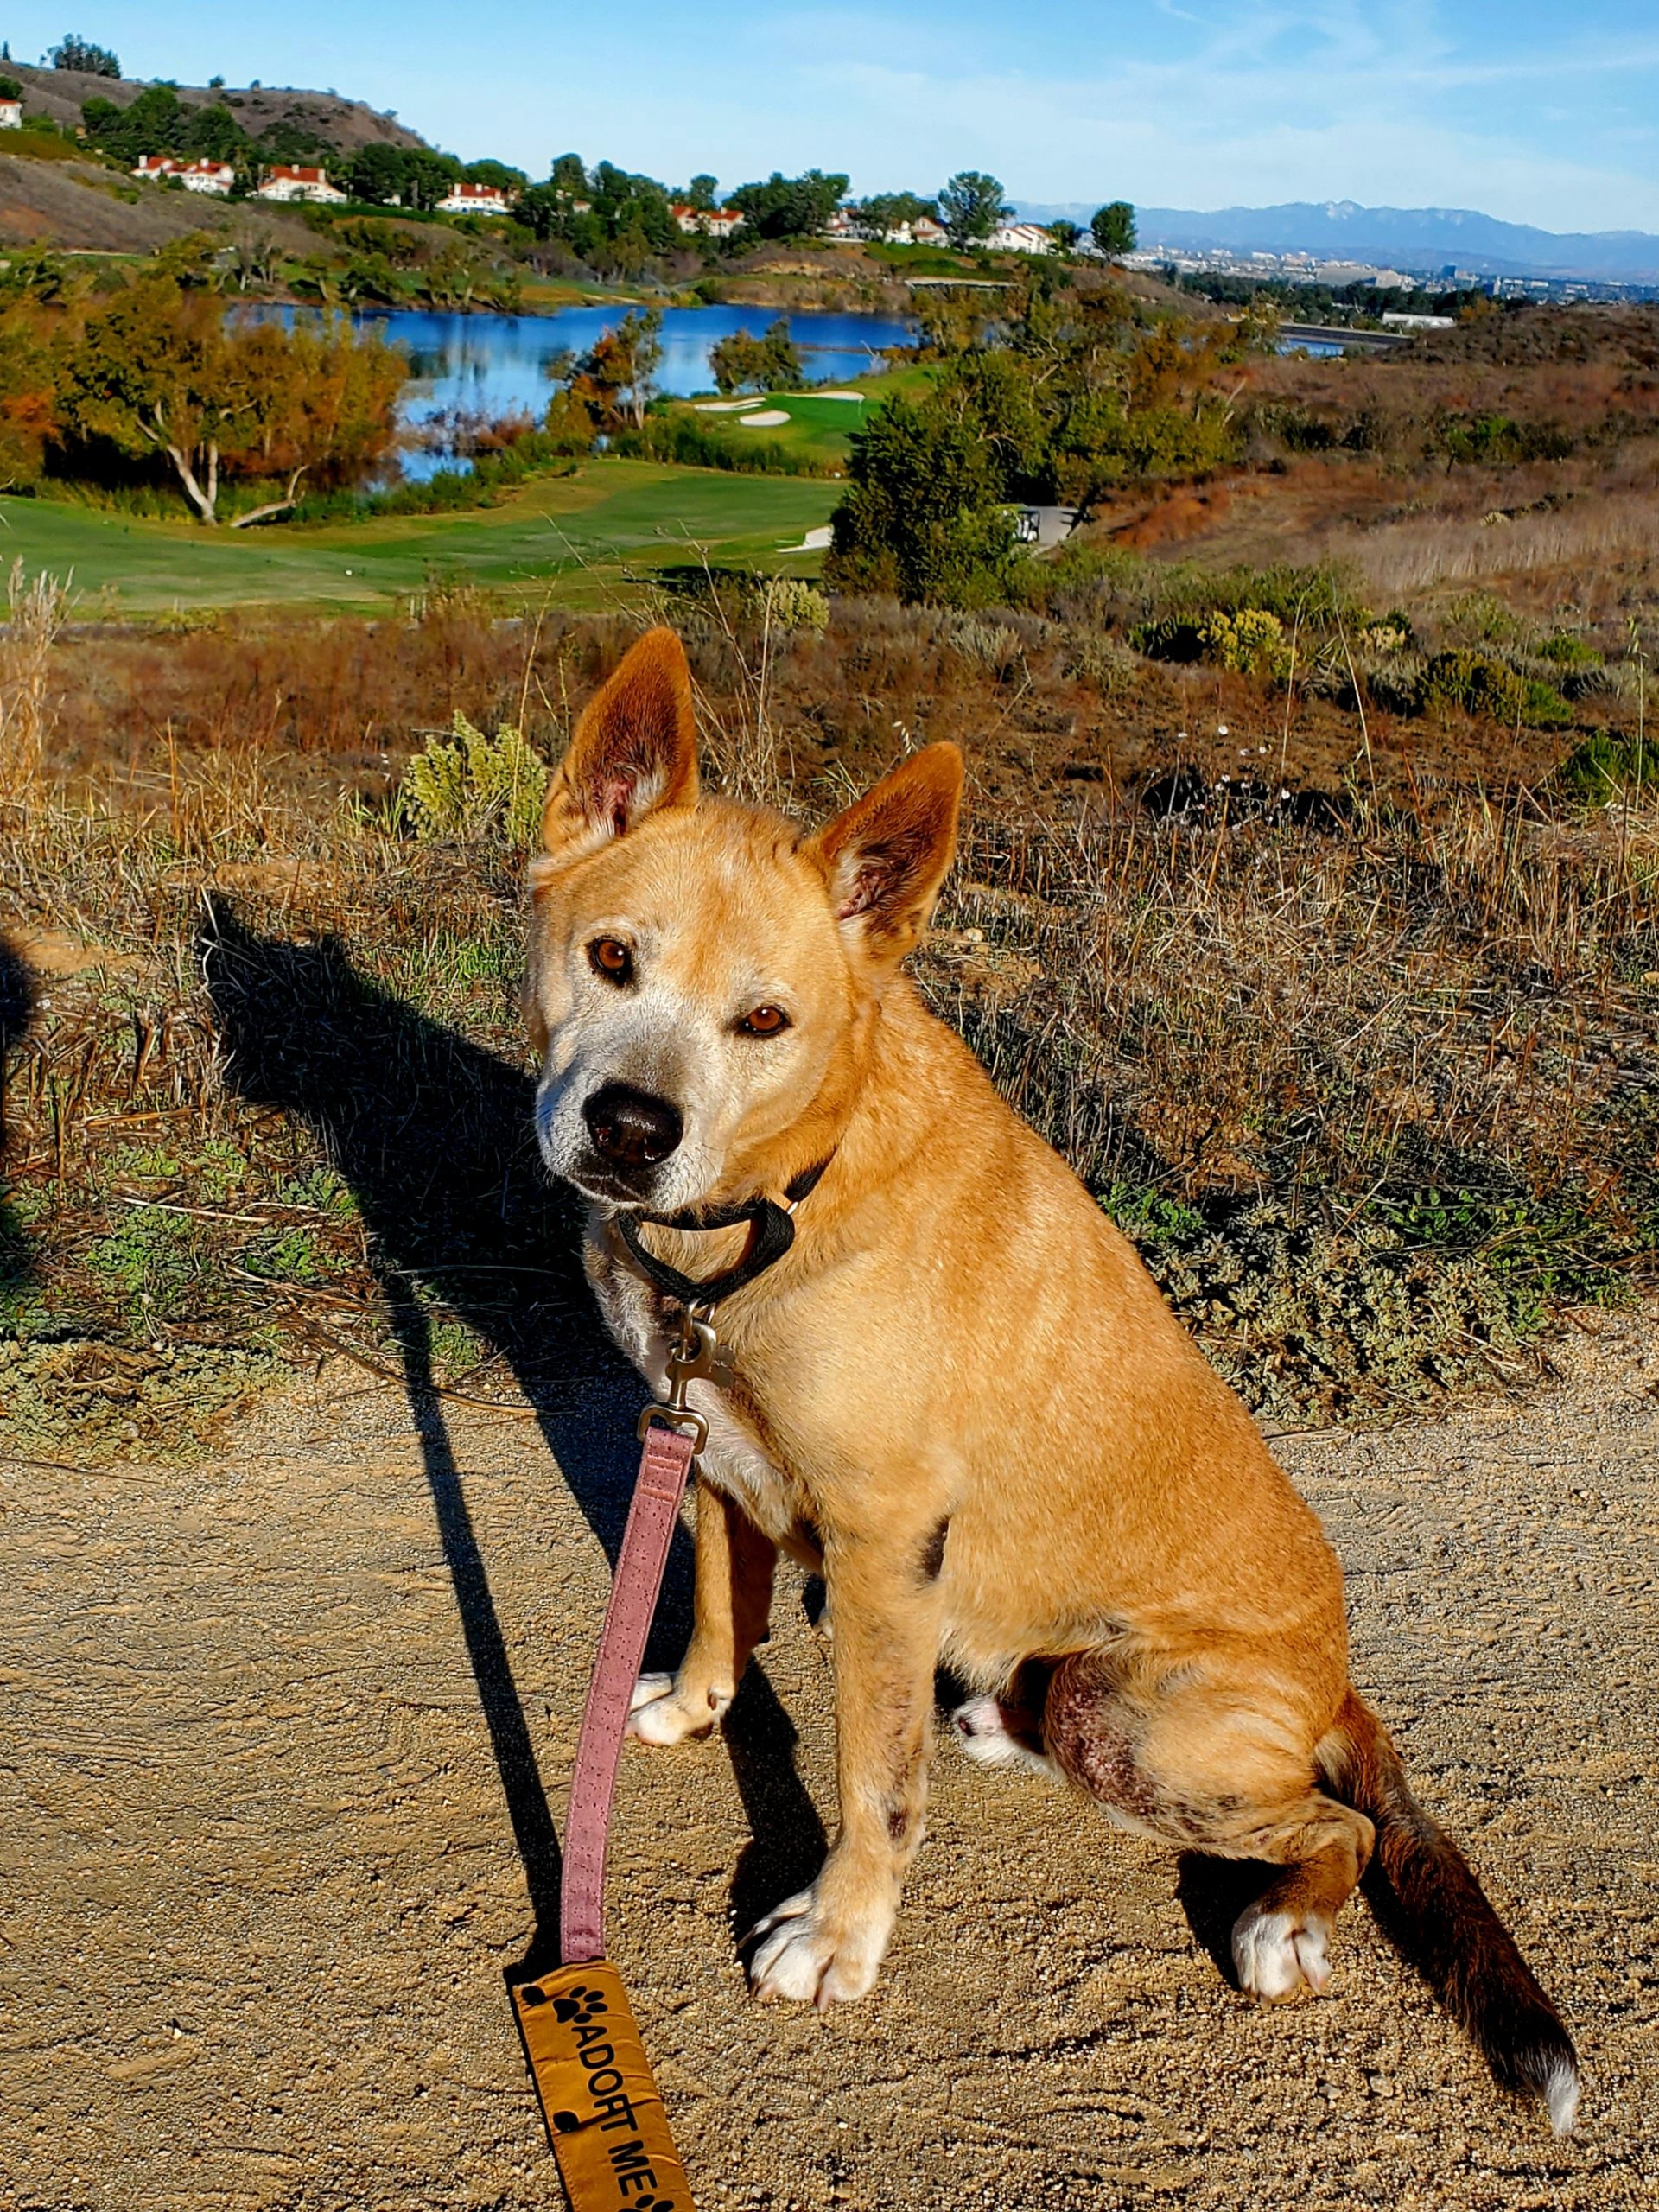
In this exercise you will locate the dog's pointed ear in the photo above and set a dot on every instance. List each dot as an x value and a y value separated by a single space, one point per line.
885 858
635 750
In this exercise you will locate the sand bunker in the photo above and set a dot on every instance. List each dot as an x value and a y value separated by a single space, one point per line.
767 419
858 395
724 406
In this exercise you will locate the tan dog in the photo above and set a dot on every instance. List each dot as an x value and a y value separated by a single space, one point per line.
959 1395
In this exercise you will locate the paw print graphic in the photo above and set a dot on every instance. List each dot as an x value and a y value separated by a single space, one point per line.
579 2005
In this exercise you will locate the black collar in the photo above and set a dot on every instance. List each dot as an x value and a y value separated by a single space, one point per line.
772 1233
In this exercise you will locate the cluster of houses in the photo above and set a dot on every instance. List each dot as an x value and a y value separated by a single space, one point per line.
292 180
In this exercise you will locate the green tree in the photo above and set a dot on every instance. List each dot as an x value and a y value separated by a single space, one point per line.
616 377
427 177
159 372
1065 235
73 52
971 207
212 134
569 176
148 376
790 207
10 89
500 173
152 123
921 518
885 211
701 192
374 174
1112 228
743 363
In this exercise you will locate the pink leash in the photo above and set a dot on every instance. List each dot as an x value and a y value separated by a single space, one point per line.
664 1467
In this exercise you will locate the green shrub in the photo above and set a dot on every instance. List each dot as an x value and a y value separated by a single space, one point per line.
1607 766
1478 684
1251 642
923 517
679 435
476 787
1568 650
791 603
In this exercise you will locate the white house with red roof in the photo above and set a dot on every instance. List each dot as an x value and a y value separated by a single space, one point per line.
215 177
707 222
11 114
466 198
294 180
156 166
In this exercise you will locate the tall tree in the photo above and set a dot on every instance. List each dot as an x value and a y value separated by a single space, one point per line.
149 375
73 52
158 371
1112 228
375 173
884 212
700 193
790 207
616 377
922 516
971 207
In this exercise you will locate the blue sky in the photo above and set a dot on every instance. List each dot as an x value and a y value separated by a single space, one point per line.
1527 110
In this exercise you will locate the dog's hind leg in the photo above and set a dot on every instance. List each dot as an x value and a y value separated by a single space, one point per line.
733 1601
1218 1757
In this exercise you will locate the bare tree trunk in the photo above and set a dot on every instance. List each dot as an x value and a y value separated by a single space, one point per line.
203 501
276 507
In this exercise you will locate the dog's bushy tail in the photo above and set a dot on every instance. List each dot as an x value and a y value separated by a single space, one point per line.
1427 1897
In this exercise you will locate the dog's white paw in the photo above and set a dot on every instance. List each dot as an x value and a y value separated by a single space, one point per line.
1276 1955
813 1956
986 1738
660 1711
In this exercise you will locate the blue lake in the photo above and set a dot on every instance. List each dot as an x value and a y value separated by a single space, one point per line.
490 366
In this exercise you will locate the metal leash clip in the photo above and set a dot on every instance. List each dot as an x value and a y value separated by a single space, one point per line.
690 1360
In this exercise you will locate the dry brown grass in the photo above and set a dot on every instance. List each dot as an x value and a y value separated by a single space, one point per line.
34 615
1377 1089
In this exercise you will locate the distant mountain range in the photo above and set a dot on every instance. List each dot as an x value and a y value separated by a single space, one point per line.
1418 239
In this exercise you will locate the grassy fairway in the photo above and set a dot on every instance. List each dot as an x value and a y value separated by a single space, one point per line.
578 534
816 425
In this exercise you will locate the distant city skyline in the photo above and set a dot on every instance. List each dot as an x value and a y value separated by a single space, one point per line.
1531 113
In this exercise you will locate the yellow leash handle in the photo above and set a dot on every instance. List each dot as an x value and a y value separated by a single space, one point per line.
604 2112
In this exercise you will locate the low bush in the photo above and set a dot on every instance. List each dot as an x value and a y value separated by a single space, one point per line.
474 787
678 435
1608 766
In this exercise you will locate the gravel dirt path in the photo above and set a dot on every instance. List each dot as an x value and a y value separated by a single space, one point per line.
279 1727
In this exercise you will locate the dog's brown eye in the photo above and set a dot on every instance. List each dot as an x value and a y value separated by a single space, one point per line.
764 1021
611 958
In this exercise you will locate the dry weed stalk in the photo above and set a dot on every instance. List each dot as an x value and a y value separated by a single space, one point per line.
36 612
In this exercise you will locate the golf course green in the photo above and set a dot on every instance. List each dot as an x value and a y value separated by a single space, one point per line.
577 538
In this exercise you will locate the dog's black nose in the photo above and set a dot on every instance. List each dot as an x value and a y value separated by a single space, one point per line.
630 1127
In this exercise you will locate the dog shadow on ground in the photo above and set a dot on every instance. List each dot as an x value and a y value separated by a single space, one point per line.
433 1136
16 1014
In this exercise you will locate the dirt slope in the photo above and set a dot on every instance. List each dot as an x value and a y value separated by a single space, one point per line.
279 1727
79 206
59 93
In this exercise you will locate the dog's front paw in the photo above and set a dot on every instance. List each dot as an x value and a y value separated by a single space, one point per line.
664 1711
811 1953
1278 1954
